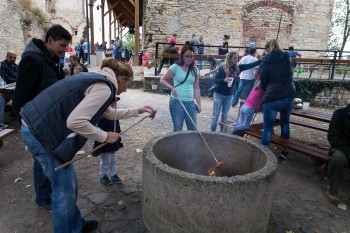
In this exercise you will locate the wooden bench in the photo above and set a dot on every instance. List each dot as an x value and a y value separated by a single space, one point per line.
309 125
309 150
255 130
5 133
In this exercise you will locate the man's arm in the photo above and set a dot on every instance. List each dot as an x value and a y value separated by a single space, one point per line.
28 81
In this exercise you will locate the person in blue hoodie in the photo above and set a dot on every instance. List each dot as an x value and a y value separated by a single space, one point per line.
108 153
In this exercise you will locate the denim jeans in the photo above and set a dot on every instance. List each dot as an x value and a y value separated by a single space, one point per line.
221 104
244 86
246 114
178 114
284 107
2 109
65 213
108 163
42 183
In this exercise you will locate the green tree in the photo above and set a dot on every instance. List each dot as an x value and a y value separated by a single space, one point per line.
129 42
340 30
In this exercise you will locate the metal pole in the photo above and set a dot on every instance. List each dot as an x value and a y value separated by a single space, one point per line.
333 65
156 57
279 25
87 31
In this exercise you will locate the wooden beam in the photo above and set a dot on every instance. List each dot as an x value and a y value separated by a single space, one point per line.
103 21
127 8
111 8
109 25
132 2
137 33
92 35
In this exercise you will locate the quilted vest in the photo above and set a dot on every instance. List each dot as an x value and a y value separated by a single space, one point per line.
46 115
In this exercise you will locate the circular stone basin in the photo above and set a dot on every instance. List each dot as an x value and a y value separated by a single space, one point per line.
179 196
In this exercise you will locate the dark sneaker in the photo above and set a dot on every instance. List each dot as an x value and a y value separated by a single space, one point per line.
46 205
283 155
89 226
3 126
332 196
116 180
105 180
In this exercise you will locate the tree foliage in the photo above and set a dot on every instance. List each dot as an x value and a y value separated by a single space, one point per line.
129 42
340 30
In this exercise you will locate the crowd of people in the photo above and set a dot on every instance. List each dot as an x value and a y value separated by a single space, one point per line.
84 106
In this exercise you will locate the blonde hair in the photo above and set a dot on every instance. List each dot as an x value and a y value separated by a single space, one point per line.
272 45
120 69
66 71
228 64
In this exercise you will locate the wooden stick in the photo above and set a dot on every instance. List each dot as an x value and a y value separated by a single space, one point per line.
198 131
96 148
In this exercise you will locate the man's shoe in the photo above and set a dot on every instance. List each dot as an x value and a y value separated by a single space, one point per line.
46 205
283 155
116 180
332 196
105 180
3 126
89 226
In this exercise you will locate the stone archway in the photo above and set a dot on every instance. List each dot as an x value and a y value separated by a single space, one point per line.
261 20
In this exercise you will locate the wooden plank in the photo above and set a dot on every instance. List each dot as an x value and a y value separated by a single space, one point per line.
5 133
319 60
309 125
311 151
312 114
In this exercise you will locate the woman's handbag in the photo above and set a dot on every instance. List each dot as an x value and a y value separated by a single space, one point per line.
168 91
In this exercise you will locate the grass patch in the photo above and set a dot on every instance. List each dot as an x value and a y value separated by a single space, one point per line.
39 15
25 4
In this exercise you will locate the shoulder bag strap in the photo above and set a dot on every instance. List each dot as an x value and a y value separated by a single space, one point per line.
188 72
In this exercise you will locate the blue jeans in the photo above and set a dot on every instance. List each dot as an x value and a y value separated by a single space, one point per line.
284 107
246 114
178 114
244 86
65 213
42 183
108 162
221 104
2 109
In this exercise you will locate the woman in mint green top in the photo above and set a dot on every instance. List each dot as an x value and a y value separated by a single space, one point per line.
188 92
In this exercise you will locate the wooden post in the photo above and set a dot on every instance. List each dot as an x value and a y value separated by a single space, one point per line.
115 26
137 33
109 24
92 26
103 21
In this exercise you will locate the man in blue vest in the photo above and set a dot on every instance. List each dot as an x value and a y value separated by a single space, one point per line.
40 68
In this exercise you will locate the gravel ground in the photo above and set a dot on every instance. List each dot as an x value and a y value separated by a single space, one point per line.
299 204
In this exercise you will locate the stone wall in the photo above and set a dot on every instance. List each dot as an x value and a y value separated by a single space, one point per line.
304 24
338 96
19 25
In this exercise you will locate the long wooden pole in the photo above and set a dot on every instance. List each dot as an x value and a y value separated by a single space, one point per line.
96 148
137 33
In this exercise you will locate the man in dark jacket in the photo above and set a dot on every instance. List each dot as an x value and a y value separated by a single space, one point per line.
9 68
39 69
169 49
339 139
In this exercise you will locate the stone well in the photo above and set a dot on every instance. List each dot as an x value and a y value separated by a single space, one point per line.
179 196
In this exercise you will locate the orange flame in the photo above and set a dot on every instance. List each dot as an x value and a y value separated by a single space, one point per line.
211 172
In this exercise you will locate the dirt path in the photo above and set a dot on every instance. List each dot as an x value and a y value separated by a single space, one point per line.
299 203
